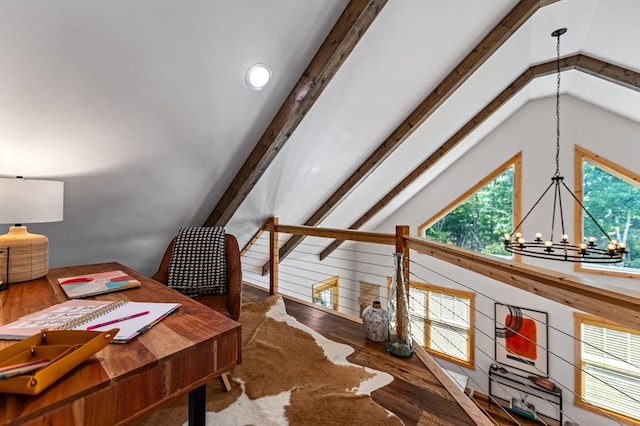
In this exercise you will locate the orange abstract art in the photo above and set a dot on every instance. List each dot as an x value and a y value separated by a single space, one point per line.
521 339
522 342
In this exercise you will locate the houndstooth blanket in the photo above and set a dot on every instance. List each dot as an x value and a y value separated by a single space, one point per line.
198 262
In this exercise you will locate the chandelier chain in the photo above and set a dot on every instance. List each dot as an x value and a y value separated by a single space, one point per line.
558 107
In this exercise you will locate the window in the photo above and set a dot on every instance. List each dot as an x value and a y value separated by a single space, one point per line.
608 362
325 294
479 218
442 321
612 196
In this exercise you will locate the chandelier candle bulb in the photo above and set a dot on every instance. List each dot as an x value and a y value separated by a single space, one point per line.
538 237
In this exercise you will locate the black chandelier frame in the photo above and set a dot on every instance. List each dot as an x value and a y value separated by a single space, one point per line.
563 250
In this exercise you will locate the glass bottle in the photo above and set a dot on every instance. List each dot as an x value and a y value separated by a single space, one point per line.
399 339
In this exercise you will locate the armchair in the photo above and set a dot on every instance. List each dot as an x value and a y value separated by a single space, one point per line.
228 303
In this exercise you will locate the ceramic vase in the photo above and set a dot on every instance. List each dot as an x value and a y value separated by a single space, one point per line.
376 322
399 339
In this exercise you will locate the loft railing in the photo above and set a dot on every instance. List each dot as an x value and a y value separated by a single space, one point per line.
368 260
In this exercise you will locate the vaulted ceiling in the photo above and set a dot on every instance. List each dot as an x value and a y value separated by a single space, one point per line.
142 109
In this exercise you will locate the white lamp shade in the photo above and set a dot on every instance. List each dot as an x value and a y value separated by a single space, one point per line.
30 201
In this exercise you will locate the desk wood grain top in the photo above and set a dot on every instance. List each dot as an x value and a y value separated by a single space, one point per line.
123 382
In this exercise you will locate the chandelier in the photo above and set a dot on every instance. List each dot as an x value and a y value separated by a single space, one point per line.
563 250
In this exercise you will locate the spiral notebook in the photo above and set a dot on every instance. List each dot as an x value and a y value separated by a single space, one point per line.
132 318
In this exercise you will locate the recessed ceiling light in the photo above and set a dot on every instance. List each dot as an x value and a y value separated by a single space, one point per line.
258 76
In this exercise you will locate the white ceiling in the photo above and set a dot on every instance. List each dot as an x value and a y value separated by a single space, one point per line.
141 106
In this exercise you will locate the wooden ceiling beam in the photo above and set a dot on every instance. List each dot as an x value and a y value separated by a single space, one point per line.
589 65
489 45
610 72
343 37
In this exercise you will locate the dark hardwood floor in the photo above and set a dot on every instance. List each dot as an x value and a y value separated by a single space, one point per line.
415 395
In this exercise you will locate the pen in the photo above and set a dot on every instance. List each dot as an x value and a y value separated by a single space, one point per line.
17 369
103 324
23 364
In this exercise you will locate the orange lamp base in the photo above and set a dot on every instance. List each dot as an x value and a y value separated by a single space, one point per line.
28 255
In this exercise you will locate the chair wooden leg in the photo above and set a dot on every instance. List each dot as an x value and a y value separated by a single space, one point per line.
226 383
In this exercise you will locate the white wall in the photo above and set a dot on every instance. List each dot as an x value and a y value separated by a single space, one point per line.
531 130
141 108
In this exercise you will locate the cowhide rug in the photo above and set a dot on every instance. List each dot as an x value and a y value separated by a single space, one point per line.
290 375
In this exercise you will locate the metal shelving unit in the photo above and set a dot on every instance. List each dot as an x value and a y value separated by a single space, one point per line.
525 386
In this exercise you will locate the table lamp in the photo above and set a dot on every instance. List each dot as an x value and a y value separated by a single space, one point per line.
28 201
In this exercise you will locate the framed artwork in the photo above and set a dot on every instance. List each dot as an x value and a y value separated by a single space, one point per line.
521 339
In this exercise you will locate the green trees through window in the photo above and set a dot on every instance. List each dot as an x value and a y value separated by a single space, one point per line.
615 204
325 294
478 222
611 194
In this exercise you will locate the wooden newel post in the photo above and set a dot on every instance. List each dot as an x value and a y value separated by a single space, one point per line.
274 256
401 247
399 339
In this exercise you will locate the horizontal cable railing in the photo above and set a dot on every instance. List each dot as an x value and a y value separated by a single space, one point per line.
489 356
298 275
360 271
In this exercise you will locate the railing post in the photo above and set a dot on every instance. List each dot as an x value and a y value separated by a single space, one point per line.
402 247
274 256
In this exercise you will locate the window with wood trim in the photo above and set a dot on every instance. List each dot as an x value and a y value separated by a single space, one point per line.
607 368
611 194
325 294
442 320
479 218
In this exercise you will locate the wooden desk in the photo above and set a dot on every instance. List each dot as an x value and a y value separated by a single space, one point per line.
124 382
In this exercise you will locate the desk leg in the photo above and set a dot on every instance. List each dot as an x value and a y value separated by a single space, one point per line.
198 406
